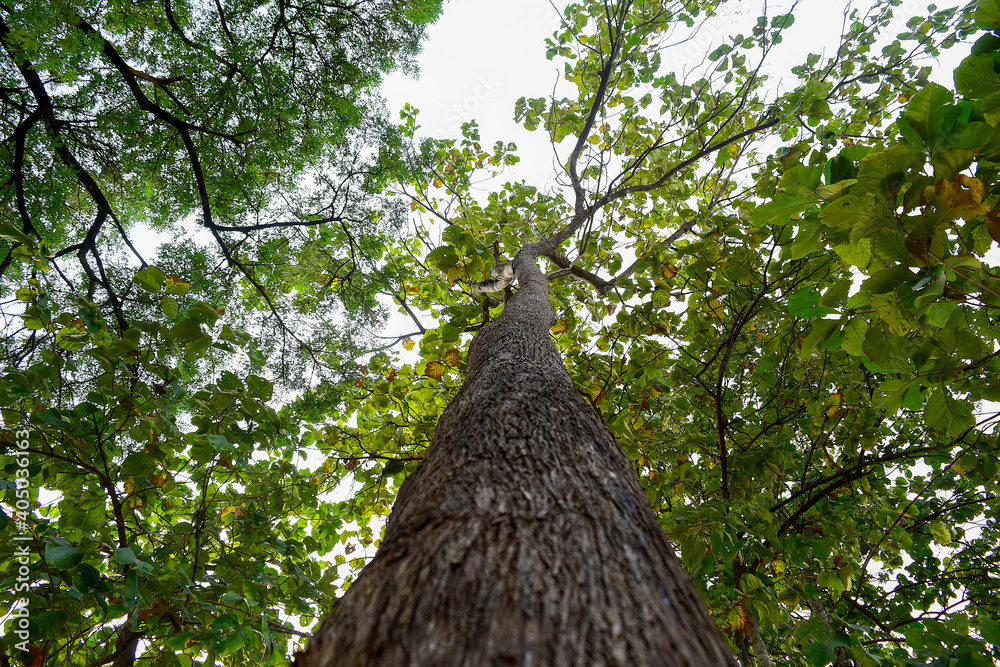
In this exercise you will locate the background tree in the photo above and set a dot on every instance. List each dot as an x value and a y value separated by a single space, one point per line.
248 138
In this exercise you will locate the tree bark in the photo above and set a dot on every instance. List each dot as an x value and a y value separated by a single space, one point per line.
524 537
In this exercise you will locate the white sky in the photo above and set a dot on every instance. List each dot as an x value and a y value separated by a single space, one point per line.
480 57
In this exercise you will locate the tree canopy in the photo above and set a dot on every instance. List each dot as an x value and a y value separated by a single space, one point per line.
780 298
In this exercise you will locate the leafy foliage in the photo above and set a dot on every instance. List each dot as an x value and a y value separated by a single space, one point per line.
780 300
794 340
168 521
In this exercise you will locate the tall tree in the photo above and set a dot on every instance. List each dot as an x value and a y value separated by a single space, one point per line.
778 300
791 430
523 537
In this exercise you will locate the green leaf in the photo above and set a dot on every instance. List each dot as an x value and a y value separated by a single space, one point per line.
131 590
852 338
73 337
822 331
204 313
150 279
848 212
170 306
884 172
989 629
806 240
887 280
988 14
177 286
220 443
781 209
805 303
61 554
9 232
914 399
835 296
947 414
976 78
126 556
890 396
819 655
48 624
940 533
858 253
927 115
139 464
179 641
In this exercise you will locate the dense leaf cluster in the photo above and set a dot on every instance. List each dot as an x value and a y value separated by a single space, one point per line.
781 299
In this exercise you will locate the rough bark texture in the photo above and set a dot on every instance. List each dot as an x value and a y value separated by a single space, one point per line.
524 537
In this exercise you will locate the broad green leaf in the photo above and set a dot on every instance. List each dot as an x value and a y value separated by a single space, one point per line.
204 313
126 556
805 303
9 232
220 443
61 554
927 115
822 332
988 14
170 306
977 79
781 210
989 629
940 533
890 396
947 414
150 279
806 240
848 212
887 279
48 624
852 338
858 253
885 171
177 286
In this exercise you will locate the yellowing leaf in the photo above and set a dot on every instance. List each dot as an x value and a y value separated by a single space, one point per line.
715 309
176 285
435 369
833 412
408 343
668 271
959 199
790 598
453 358
560 327
940 533
739 619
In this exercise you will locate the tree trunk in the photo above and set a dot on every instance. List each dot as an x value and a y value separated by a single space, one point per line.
524 537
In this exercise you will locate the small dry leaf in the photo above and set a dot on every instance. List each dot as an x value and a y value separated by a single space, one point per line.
435 369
